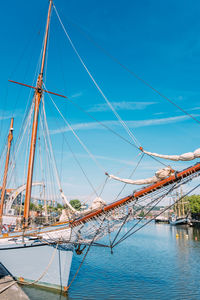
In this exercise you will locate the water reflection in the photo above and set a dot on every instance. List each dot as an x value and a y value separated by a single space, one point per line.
158 262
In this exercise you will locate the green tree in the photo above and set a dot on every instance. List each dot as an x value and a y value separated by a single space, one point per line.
59 205
193 203
141 214
75 203
33 206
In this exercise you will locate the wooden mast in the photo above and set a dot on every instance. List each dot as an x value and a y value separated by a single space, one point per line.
10 137
37 99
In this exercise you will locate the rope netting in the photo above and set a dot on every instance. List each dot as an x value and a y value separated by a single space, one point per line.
115 215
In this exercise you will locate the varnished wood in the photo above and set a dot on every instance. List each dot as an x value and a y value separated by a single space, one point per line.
37 100
3 190
144 191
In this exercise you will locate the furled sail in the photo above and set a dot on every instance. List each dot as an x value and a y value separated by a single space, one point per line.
184 157
159 175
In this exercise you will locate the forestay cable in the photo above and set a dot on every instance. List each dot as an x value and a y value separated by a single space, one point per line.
123 238
96 84
108 54
53 159
77 137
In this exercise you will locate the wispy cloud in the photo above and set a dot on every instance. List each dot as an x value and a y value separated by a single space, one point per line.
130 124
123 105
102 157
4 115
76 95
158 113
194 108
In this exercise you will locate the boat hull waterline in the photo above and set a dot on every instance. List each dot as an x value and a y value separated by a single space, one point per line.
50 264
37 259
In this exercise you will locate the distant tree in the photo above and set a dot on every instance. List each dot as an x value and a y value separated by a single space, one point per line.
193 204
141 214
33 206
40 207
59 205
75 203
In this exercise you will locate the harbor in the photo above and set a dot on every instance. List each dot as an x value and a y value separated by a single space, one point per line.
154 264
99 151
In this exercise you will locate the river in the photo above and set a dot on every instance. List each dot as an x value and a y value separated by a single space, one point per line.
158 262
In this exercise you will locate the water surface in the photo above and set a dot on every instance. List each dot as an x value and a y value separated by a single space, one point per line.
158 262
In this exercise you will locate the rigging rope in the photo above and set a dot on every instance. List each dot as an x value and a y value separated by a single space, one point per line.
108 54
77 137
35 281
53 158
134 170
45 271
111 130
96 84
122 239
77 161
88 249
159 199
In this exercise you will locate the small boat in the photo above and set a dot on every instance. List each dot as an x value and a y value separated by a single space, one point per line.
174 220
179 217
161 219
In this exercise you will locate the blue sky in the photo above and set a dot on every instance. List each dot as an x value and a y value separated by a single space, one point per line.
158 40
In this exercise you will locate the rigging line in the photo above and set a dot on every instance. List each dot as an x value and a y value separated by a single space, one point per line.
124 222
26 153
101 123
51 153
134 170
61 161
99 187
36 72
171 189
95 83
57 176
159 199
77 137
77 161
44 272
27 122
159 213
109 237
98 230
103 187
111 130
29 106
107 53
20 91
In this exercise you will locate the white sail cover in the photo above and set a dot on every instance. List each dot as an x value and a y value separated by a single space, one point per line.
184 157
159 175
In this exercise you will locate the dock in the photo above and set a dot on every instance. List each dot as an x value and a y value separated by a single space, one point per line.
9 289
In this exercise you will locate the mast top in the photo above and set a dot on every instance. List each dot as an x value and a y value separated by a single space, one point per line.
45 46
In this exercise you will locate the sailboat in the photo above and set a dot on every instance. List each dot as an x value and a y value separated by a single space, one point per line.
179 217
42 255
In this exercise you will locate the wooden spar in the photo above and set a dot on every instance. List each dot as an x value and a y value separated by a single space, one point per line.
37 99
10 137
147 190
33 87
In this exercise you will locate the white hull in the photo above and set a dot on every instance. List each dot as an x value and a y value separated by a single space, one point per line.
29 263
180 221
42 260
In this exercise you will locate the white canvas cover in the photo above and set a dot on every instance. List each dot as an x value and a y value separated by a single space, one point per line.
184 157
159 175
